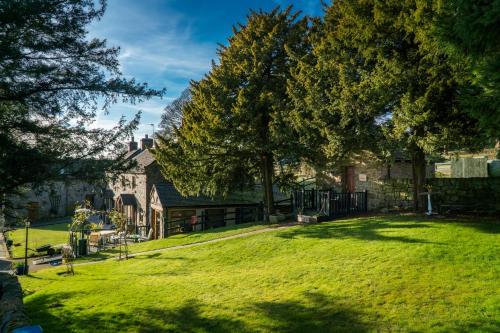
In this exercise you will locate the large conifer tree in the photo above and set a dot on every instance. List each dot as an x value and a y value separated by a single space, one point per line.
234 131
376 70
470 30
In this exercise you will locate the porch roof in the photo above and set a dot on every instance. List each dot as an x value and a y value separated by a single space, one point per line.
128 199
170 197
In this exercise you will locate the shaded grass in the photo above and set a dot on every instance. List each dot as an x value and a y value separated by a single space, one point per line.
53 234
180 239
393 273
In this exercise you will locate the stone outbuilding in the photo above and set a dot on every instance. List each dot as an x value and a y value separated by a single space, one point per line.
170 211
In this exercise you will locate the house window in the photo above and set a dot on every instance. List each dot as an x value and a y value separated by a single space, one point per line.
133 182
124 182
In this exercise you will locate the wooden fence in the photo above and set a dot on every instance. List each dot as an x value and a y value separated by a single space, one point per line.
205 222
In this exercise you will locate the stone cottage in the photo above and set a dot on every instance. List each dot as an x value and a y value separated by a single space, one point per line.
130 192
144 195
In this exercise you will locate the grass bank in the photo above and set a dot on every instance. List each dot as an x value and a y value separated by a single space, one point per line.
176 240
387 273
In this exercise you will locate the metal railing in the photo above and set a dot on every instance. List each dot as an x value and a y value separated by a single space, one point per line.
331 203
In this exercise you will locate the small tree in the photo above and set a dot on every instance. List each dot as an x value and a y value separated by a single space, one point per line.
80 222
120 221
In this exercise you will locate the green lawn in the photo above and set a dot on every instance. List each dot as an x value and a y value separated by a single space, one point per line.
53 234
394 273
180 239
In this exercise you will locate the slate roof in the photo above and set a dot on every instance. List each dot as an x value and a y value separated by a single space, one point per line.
131 154
143 159
170 197
128 199
109 193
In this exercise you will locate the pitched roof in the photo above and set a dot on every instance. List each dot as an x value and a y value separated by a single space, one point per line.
131 154
143 159
128 199
170 197
108 193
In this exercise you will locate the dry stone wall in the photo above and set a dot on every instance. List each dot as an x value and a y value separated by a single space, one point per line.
11 304
449 194
471 194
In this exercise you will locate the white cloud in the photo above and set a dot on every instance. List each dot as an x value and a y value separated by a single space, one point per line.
157 48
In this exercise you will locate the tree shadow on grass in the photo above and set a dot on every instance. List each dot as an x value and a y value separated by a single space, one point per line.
363 229
488 225
317 313
51 312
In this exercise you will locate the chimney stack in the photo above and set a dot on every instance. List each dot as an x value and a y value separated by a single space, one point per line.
132 145
146 143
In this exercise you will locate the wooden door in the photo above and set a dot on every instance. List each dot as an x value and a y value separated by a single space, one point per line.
349 183
155 223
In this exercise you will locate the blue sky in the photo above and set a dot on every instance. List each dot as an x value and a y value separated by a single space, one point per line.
167 43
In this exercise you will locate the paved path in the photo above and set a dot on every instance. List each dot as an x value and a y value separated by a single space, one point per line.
217 240
5 262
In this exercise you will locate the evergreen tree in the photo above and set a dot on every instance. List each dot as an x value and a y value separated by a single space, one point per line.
234 129
376 71
470 30
53 80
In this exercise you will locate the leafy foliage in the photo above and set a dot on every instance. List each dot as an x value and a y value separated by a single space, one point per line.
234 130
53 81
376 77
119 220
80 219
468 31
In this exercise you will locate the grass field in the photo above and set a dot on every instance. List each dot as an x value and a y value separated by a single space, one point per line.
53 234
392 273
175 240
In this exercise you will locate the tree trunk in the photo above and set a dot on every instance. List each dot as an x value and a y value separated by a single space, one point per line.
419 172
267 173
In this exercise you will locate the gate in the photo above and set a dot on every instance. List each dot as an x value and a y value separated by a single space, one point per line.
330 203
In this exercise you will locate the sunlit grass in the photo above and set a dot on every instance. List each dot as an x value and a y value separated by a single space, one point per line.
393 273
176 240
53 234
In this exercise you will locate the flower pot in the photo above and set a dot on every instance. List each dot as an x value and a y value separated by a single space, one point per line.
22 270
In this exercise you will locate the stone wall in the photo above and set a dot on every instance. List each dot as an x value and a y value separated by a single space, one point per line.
11 304
54 199
460 194
471 194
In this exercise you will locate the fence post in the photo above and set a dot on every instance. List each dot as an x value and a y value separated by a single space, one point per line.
366 201
330 203
303 193
314 197
202 220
